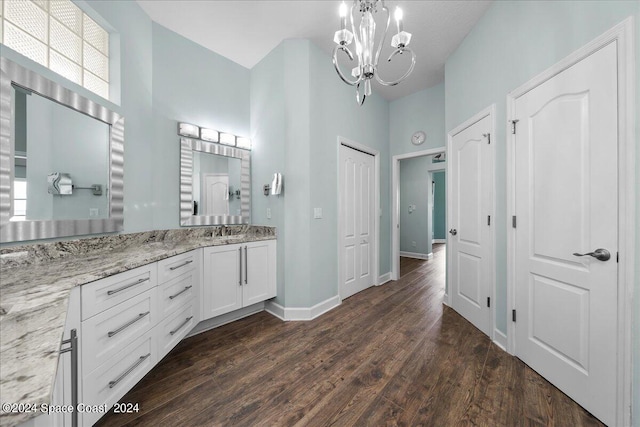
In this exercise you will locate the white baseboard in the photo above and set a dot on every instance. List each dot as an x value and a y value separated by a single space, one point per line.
500 339
439 240
302 313
416 255
445 300
384 278
217 321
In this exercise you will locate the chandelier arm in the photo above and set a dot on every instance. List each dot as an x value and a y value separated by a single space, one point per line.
358 100
411 67
384 35
337 67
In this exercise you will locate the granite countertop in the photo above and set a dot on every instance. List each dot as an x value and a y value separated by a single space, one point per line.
35 282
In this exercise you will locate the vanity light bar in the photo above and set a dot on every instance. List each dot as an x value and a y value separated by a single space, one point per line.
210 135
227 139
186 129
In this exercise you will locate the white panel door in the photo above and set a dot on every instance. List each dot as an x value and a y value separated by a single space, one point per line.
358 220
215 194
221 288
471 171
566 202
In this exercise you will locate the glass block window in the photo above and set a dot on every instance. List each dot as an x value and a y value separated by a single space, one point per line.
60 36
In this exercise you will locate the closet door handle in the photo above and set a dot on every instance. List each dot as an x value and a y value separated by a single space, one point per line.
246 262
240 267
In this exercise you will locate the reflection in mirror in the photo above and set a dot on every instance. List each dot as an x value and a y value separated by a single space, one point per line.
52 138
214 184
61 168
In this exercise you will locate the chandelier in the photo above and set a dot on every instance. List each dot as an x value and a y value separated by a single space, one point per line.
366 52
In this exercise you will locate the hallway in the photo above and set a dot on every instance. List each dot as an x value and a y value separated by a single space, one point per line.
390 355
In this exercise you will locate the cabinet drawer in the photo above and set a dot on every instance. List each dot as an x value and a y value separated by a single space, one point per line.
106 293
174 328
112 380
177 292
177 265
109 332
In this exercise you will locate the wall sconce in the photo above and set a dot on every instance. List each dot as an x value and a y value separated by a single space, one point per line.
276 185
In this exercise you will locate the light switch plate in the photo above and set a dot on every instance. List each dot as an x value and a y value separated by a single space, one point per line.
268 213
317 213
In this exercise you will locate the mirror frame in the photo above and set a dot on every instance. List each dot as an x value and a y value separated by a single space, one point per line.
187 147
15 231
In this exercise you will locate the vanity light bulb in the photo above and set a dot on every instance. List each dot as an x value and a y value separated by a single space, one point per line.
186 129
227 139
243 143
398 14
209 135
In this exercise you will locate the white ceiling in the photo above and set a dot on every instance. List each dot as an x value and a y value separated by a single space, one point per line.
246 31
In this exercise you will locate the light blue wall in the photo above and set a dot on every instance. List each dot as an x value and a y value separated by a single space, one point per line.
268 130
439 206
334 113
415 189
195 85
511 43
298 109
423 110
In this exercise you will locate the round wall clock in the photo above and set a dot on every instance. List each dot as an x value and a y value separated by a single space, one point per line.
418 138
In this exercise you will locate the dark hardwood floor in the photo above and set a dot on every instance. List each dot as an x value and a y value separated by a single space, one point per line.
390 355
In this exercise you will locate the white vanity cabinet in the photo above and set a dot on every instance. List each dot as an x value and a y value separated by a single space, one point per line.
237 276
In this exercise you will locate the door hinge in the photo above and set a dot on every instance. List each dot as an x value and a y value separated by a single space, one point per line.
513 315
488 301
617 256
513 221
513 126
488 136
488 219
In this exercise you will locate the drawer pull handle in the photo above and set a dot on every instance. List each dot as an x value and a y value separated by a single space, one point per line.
115 291
141 359
184 290
182 325
181 265
126 325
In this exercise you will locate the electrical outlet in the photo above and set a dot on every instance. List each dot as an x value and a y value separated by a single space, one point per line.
317 213
268 213
94 212
414 244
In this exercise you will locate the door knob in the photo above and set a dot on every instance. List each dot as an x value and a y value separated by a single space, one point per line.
601 254
453 231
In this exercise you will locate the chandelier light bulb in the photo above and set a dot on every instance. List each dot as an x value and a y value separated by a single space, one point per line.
343 16
398 16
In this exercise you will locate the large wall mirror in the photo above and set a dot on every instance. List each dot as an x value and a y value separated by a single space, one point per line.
214 184
61 162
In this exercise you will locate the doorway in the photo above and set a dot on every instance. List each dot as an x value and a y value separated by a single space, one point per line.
402 207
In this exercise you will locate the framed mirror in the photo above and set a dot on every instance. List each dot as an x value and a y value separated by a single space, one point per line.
61 160
215 184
